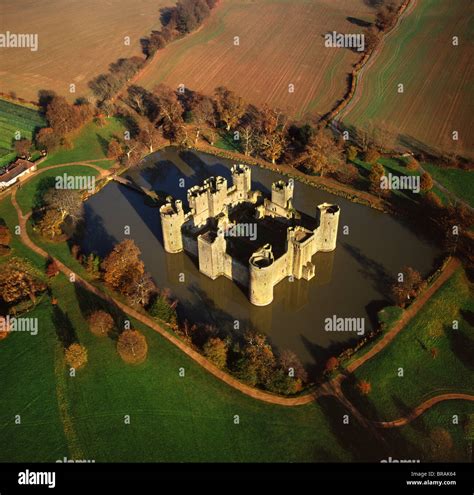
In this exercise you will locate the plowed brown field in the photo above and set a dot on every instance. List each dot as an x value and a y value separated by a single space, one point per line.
437 78
78 39
281 42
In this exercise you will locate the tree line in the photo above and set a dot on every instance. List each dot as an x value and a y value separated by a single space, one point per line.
177 21
63 120
185 17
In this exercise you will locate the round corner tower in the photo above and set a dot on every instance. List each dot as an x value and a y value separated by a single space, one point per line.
261 276
328 226
172 219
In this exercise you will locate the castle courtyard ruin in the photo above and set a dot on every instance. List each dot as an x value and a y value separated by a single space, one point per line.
252 240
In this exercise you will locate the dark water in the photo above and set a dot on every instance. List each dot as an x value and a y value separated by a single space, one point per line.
352 281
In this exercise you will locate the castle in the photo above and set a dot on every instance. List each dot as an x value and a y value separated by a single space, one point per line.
216 230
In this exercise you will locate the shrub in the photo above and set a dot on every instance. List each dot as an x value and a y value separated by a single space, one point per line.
76 356
426 182
162 309
5 236
4 250
52 269
100 323
331 364
351 153
132 347
364 387
371 156
412 164
215 349
282 383
4 328
433 201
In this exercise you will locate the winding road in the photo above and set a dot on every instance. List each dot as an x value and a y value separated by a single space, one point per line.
331 388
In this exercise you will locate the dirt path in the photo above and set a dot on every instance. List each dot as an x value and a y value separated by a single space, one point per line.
407 316
418 411
87 163
332 388
223 376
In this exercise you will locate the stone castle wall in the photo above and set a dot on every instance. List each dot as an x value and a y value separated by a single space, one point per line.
263 271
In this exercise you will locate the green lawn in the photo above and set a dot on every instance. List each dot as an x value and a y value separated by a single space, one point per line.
459 182
173 418
416 440
452 370
29 390
90 144
9 217
397 166
27 194
105 164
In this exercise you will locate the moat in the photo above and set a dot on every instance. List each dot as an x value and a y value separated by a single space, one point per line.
351 281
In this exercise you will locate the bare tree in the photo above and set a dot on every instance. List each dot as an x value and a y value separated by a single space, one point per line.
141 290
203 113
272 136
149 135
170 114
230 107
67 201
248 130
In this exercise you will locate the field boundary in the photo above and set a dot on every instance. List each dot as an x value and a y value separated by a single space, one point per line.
357 75
423 407
328 388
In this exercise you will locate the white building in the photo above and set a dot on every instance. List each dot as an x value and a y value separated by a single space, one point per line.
13 172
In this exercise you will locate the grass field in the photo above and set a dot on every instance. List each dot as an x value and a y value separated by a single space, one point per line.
76 41
459 182
436 76
175 418
27 195
452 370
15 119
172 418
281 43
90 144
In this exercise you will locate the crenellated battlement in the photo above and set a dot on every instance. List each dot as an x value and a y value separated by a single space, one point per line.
281 243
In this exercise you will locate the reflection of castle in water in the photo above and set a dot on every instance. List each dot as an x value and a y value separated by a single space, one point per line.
284 243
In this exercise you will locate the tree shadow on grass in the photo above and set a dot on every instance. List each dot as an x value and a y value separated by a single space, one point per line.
64 328
104 144
43 186
89 303
358 440
468 316
462 345
364 442
320 354
362 402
